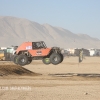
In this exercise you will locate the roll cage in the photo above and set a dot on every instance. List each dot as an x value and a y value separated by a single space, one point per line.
39 45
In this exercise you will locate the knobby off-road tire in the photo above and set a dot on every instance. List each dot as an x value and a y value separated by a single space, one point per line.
62 58
15 59
22 60
29 61
55 58
46 61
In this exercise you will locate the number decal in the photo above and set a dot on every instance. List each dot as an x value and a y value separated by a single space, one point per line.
28 47
38 52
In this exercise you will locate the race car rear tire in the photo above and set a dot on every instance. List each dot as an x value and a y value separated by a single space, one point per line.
55 58
62 58
29 61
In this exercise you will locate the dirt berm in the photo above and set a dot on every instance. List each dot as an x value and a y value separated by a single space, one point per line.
6 70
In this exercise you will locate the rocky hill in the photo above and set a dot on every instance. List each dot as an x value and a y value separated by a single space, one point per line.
14 31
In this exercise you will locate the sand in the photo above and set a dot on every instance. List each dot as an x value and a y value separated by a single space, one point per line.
69 80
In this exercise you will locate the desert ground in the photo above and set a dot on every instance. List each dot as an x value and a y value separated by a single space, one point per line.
69 80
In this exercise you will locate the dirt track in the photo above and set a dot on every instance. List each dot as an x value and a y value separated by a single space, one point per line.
66 81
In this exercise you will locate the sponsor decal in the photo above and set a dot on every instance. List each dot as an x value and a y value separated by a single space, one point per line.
28 47
38 52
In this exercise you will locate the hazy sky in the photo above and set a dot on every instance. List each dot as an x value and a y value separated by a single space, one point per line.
78 16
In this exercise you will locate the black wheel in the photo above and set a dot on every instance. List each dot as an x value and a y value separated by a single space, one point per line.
15 59
22 60
46 61
55 58
29 61
62 57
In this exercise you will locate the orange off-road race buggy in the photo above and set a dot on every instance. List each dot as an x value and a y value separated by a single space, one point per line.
29 51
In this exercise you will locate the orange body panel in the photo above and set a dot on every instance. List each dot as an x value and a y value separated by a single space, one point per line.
40 52
24 46
34 52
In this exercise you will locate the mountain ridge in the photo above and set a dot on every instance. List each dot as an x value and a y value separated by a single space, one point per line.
14 31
